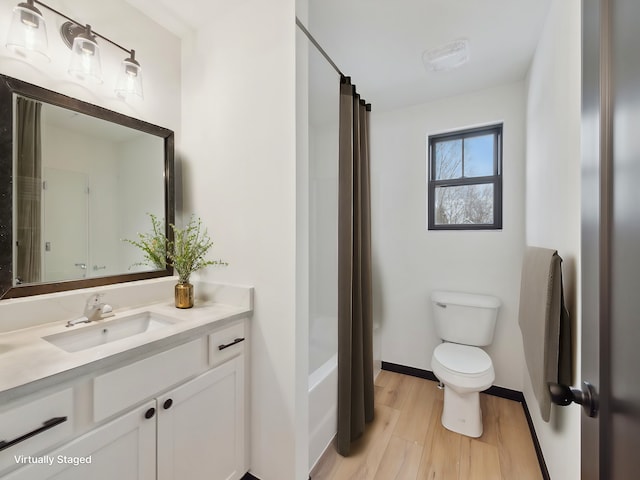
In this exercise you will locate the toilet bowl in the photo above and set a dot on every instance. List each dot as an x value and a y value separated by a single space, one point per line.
465 322
465 371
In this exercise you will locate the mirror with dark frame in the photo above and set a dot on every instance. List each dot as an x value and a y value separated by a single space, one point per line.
75 181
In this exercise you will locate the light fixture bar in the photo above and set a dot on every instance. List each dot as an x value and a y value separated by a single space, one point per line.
81 25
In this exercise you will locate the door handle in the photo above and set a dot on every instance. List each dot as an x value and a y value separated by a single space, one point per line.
586 395
83 266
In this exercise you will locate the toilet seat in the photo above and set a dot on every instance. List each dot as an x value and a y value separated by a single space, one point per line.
463 359
462 366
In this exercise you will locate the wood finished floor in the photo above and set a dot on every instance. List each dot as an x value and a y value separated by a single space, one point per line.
407 441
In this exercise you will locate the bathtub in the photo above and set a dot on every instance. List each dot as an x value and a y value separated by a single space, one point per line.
323 400
323 383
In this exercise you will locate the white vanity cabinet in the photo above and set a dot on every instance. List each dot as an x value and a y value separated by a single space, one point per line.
201 426
176 415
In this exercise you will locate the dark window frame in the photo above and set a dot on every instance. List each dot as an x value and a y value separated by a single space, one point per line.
495 179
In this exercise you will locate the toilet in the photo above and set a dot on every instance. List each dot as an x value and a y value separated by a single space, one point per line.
465 322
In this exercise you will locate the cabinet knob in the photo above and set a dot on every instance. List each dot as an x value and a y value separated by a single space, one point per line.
167 404
150 413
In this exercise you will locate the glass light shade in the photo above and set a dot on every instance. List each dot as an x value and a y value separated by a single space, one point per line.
129 82
85 58
28 32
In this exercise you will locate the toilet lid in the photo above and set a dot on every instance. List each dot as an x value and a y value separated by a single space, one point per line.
462 358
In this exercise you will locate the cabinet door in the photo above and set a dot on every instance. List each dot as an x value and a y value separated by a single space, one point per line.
123 449
201 426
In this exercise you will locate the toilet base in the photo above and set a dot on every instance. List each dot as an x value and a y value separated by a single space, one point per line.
461 412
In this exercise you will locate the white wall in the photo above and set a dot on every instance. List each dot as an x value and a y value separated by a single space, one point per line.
133 168
553 201
140 185
69 151
322 182
239 167
303 415
410 261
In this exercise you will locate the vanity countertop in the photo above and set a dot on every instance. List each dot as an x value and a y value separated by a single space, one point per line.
29 363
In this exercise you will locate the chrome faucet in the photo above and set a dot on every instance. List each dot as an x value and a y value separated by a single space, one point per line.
94 309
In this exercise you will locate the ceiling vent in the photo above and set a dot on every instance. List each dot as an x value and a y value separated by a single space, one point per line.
447 57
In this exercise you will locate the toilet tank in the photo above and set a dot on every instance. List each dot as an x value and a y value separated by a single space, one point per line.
465 318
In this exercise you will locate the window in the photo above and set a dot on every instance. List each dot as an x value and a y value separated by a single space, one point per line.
465 180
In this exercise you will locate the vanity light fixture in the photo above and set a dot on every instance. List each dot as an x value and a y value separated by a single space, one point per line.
130 77
28 32
85 52
28 35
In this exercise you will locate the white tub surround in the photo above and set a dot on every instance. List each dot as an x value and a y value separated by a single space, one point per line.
323 408
323 384
180 383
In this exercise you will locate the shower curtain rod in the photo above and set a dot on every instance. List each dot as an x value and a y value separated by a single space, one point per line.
317 45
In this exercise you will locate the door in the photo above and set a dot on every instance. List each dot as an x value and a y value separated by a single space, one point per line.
123 449
611 236
201 426
65 225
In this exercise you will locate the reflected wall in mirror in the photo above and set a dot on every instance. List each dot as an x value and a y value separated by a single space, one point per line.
86 178
87 186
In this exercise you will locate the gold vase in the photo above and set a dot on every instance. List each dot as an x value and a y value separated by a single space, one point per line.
184 295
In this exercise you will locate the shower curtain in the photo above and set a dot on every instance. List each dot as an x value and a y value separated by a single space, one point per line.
355 324
29 191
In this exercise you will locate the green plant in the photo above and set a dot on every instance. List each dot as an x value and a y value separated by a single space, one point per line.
153 245
185 253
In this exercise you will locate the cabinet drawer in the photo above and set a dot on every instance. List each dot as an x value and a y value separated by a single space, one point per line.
226 344
124 448
32 427
126 386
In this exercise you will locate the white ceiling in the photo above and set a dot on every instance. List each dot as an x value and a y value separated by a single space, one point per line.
379 43
181 17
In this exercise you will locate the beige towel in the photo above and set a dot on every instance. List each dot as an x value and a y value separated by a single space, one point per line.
544 323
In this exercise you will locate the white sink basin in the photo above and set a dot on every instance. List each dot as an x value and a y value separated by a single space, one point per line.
102 333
